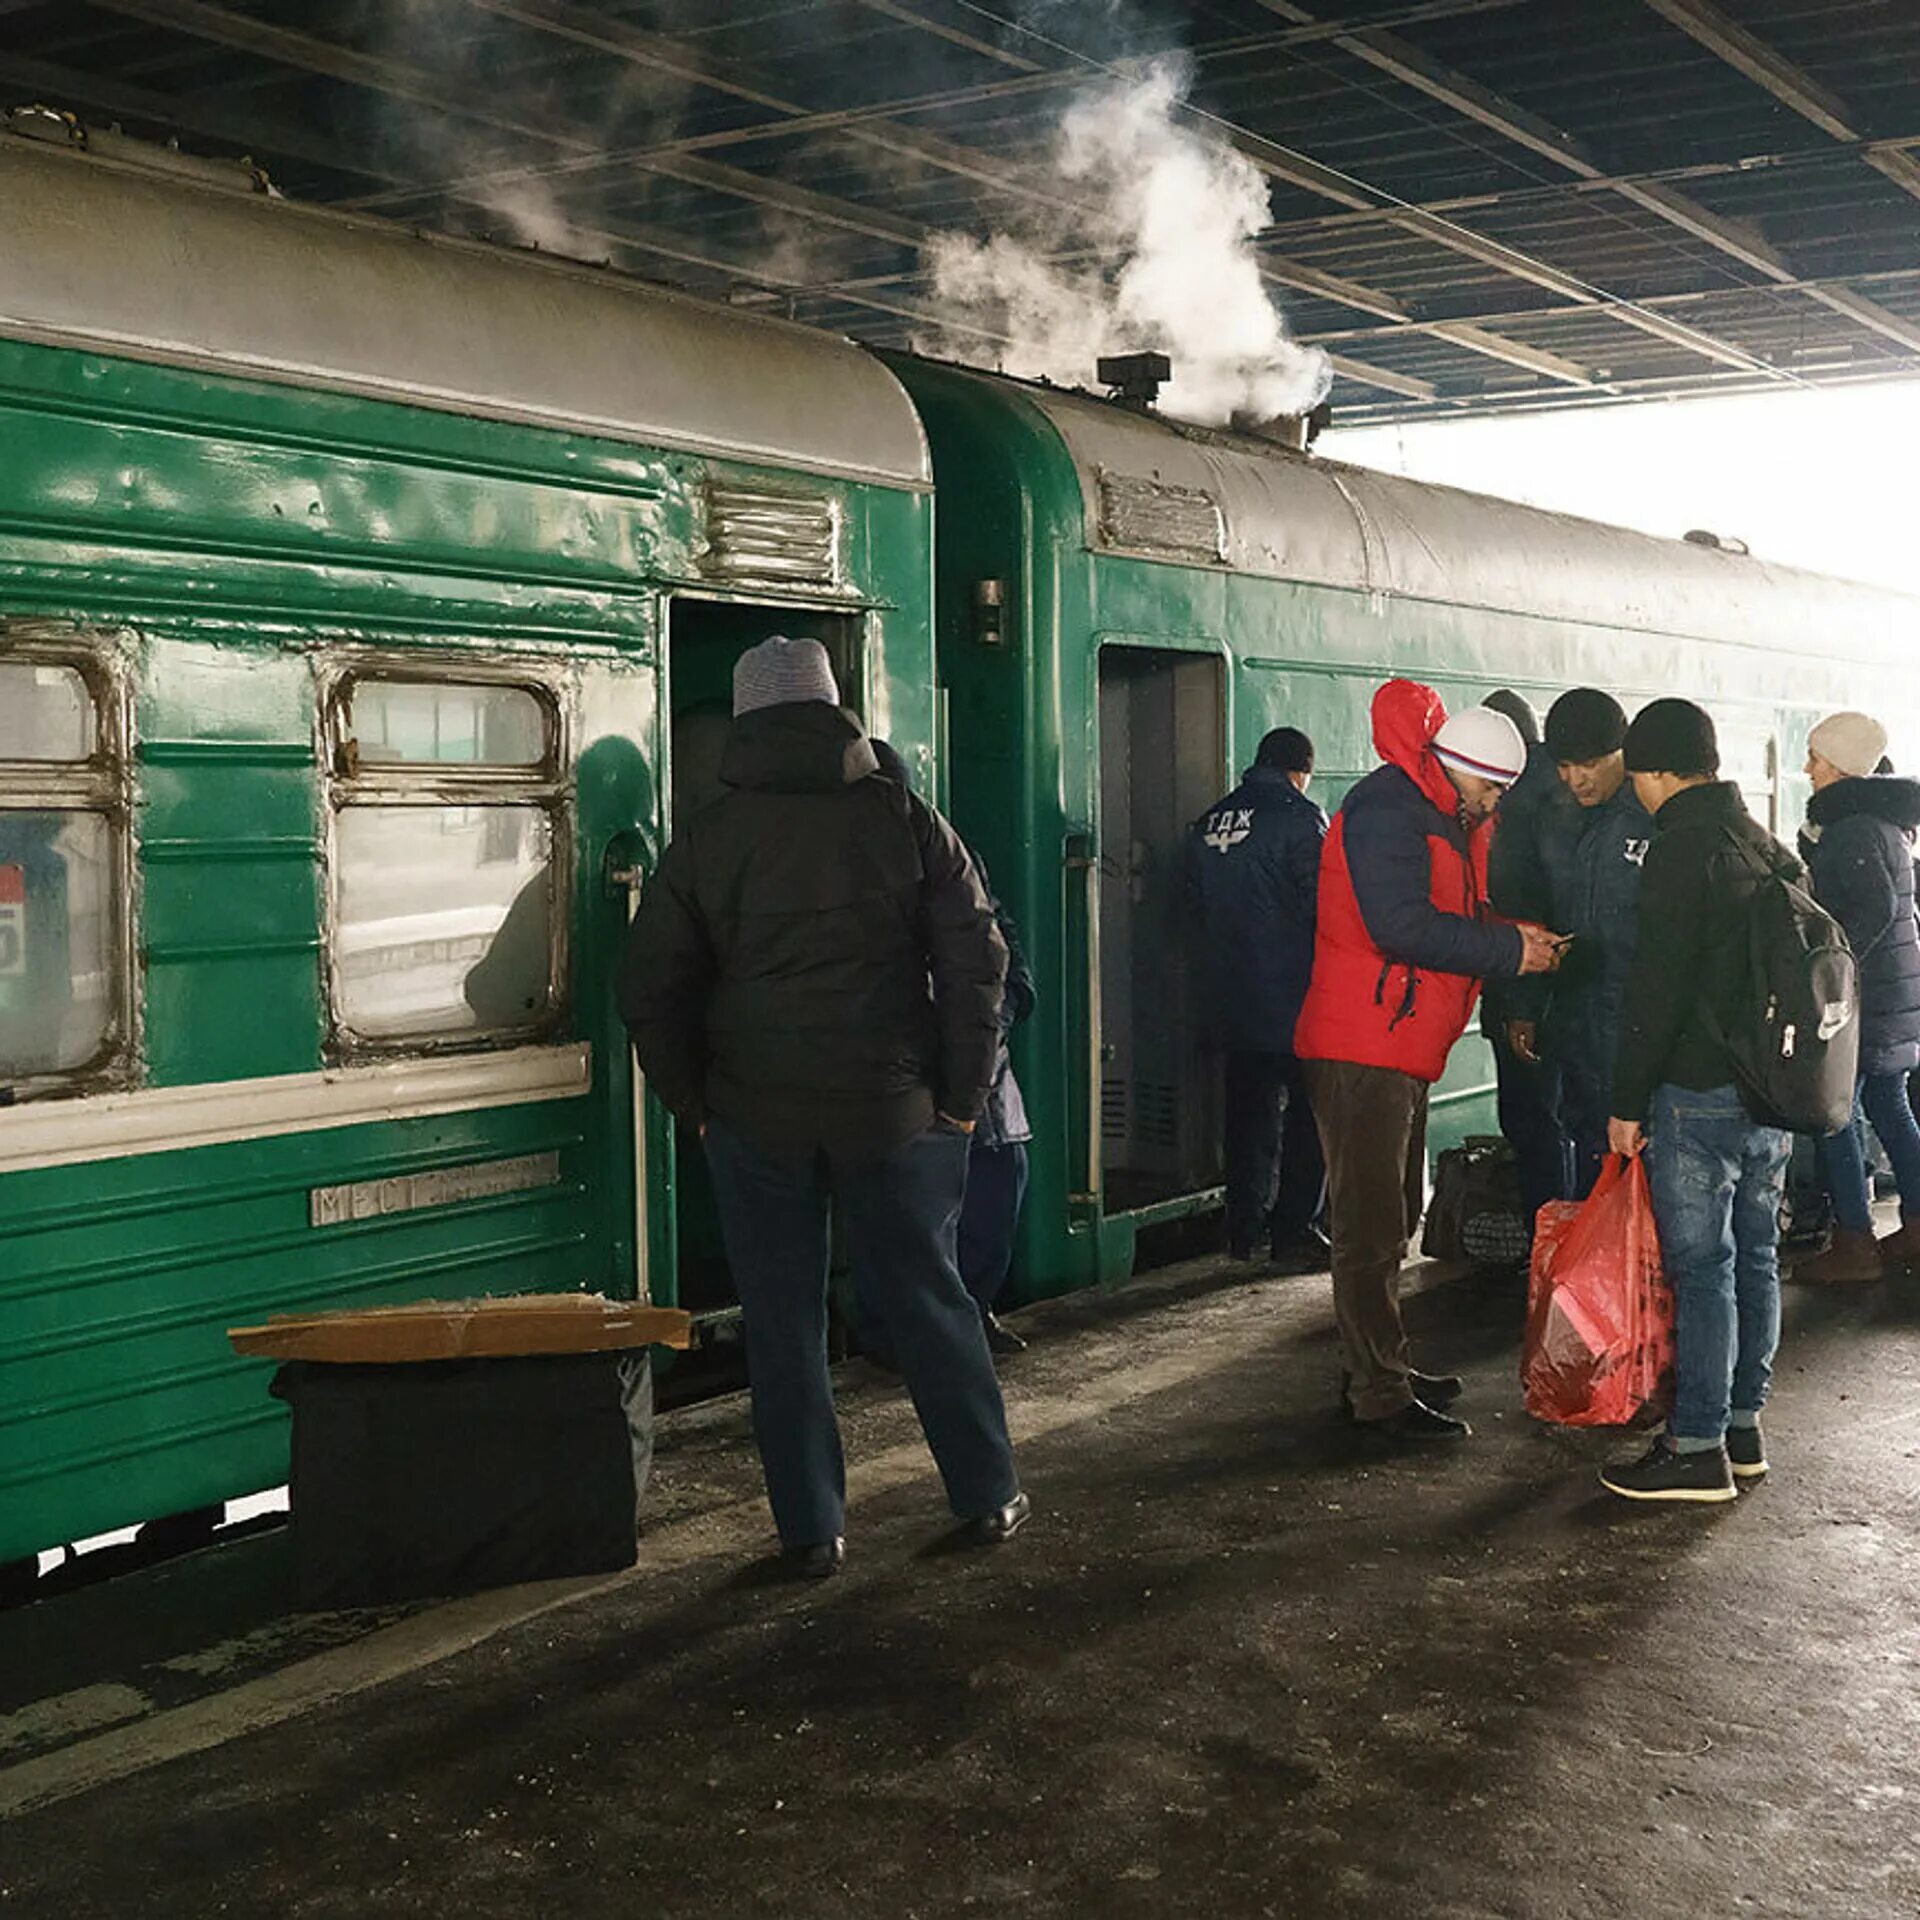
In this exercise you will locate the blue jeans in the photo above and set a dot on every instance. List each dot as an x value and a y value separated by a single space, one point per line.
1843 1160
1717 1181
900 1214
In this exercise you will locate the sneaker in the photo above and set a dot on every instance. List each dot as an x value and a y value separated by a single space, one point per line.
1662 1474
1746 1452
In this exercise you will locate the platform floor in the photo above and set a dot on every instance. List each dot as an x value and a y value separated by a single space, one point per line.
1240 1663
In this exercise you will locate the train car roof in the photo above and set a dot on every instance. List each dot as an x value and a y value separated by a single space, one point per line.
1159 490
115 260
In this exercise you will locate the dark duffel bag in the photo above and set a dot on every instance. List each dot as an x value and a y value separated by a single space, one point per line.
1476 1215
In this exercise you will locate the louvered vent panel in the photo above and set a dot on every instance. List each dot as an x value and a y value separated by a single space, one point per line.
756 534
1150 516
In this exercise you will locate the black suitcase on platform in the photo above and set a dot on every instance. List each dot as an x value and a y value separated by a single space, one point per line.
1476 1214
453 1475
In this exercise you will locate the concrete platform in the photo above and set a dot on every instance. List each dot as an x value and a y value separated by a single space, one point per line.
1241 1663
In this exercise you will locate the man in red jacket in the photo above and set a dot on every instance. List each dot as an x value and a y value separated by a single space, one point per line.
1403 940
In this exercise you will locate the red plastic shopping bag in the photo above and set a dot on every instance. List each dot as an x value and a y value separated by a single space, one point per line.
1599 1345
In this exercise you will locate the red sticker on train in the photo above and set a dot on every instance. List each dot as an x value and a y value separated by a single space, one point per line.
13 886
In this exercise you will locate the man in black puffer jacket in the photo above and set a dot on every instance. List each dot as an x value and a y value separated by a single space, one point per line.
813 982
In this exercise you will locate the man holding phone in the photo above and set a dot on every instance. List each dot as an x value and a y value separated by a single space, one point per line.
1597 899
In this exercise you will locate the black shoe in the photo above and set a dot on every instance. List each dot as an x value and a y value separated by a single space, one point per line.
1662 1474
1307 1252
1001 1338
1436 1390
1002 1523
820 1561
1746 1452
1417 1424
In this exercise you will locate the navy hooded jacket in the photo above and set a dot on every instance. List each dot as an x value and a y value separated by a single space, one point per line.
1597 900
1253 869
1858 846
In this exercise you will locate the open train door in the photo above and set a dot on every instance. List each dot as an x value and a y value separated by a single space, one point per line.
1154 1090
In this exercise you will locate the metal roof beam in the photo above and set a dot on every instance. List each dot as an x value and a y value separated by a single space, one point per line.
1788 82
1500 115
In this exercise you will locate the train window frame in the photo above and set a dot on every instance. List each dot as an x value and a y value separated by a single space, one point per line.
100 784
351 781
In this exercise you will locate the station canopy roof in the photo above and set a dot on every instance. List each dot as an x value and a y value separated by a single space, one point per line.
1477 206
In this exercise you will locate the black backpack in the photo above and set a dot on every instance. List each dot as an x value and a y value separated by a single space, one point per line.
1795 1042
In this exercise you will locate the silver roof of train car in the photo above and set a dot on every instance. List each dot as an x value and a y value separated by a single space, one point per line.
1164 492
115 260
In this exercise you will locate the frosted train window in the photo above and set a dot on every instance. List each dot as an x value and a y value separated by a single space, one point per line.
46 712
63 849
422 723
449 835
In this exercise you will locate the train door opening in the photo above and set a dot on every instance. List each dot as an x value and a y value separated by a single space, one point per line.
704 639
1162 762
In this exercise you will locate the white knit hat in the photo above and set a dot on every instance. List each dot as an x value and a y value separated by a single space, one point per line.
779 672
1853 742
1487 744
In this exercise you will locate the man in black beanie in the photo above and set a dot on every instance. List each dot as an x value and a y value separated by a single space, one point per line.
1533 838
812 986
1596 900
1716 1174
1253 876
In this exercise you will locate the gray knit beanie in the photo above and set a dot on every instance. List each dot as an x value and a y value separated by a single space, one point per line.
779 672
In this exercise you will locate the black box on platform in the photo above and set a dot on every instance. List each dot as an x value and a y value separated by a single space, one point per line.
448 1476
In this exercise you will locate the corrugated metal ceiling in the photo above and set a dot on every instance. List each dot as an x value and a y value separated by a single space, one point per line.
1477 205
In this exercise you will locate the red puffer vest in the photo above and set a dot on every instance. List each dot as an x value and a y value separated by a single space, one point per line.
1363 1005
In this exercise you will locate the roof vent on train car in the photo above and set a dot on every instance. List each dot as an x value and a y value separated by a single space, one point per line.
762 534
1134 379
54 127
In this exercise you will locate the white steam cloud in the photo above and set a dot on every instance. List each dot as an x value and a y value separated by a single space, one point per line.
1143 241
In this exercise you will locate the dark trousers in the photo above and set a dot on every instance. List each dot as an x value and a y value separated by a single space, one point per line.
900 1215
1530 1119
1373 1125
1276 1174
1585 1097
996 1187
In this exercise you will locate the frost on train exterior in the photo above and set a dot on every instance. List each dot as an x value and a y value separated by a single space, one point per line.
1125 606
359 592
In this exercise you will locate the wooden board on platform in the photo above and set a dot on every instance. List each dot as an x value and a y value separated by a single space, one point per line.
517 1324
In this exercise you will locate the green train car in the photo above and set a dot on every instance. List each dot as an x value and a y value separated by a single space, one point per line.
367 609
1126 605
365 603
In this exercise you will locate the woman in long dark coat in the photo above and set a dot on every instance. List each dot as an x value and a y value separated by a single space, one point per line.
1858 846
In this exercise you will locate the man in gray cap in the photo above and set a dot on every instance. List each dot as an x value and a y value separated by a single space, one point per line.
813 985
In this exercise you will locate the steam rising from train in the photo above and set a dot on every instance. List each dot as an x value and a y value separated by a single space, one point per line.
1139 235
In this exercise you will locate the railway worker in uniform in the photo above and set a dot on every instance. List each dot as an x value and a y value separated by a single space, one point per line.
1253 873
1403 941
1858 847
1532 837
813 986
997 1152
1596 901
1716 1174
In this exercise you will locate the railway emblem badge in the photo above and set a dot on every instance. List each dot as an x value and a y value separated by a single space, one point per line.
1227 828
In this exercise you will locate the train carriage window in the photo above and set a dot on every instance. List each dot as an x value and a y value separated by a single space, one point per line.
63 852
449 830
